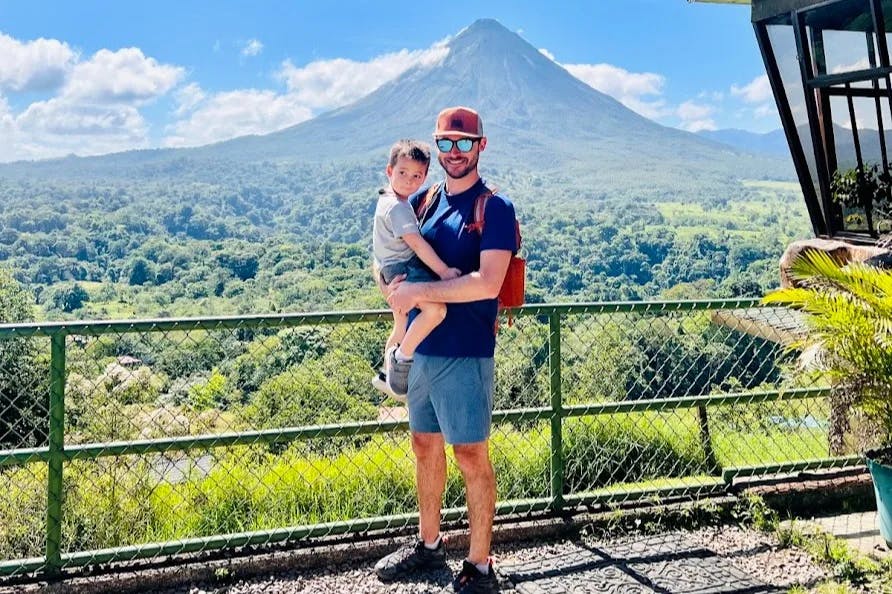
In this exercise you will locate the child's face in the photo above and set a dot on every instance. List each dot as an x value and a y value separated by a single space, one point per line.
406 176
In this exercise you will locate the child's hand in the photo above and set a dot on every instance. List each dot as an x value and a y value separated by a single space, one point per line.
450 273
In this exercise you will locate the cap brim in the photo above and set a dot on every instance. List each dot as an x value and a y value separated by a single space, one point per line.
438 133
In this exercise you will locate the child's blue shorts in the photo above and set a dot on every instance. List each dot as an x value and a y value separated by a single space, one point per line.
413 268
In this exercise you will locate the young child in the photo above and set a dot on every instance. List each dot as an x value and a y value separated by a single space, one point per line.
399 249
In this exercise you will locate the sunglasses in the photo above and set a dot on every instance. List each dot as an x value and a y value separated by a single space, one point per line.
444 145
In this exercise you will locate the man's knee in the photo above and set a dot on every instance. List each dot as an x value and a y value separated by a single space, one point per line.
473 457
426 445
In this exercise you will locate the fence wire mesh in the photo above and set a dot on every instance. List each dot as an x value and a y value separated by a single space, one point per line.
206 434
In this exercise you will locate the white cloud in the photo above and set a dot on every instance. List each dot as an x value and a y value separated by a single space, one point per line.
616 81
237 113
629 88
320 85
126 76
757 90
698 125
766 110
861 64
96 108
188 98
38 65
696 116
95 105
8 148
716 96
692 111
326 84
58 127
252 48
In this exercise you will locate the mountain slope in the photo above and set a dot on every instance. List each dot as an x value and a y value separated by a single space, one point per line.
538 118
772 143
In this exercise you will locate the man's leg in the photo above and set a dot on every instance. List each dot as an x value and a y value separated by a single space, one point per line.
430 478
480 482
426 552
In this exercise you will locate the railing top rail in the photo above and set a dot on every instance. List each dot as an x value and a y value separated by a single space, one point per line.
95 327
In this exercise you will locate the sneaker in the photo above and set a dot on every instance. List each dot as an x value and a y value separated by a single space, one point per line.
409 557
380 383
469 580
397 373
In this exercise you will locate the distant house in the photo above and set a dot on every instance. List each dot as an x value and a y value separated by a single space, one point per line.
128 361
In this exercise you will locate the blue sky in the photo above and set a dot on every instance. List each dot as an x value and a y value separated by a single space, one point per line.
92 77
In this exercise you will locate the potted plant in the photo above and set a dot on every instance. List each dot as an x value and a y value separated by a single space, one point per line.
849 316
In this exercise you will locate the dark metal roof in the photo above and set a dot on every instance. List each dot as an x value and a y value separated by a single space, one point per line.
766 9
777 324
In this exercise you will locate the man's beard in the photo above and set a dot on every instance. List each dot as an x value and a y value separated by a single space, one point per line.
459 173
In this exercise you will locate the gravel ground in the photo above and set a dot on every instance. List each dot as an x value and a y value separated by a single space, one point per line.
756 554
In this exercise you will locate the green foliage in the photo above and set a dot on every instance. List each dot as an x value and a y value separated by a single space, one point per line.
868 188
309 394
751 510
849 314
248 488
24 400
286 237
139 271
209 394
612 449
69 297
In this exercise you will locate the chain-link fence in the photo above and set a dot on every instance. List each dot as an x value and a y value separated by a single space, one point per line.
125 440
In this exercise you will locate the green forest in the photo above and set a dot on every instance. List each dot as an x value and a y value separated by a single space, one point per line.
160 248
299 240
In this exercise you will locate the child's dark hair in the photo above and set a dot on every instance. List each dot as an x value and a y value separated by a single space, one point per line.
413 149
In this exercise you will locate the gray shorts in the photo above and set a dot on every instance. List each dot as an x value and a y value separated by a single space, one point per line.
413 268
452 396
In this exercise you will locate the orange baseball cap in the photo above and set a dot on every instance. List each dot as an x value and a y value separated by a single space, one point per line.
459 121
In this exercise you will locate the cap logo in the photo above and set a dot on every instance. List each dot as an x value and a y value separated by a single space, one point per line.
458 123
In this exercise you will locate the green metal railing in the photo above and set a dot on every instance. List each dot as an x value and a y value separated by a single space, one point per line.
605 385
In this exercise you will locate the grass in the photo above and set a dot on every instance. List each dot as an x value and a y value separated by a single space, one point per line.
850 571
121 501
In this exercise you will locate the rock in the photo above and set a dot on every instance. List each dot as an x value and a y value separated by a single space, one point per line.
840 251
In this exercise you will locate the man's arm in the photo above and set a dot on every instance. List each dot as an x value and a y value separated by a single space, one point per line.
480 284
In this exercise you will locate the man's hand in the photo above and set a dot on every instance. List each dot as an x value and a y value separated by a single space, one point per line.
400 296
449 273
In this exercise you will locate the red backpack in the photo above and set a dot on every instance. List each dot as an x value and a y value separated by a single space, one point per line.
514 285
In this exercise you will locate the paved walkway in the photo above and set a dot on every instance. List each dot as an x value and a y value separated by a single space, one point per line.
859 530
661 564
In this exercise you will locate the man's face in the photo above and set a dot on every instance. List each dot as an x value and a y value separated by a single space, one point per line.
458 164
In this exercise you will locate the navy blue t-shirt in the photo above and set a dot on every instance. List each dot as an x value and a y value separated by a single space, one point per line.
469 328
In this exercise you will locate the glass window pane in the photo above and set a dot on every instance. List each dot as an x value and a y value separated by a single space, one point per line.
784 45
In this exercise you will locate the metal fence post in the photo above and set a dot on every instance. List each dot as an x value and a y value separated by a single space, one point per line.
56 455
557 412
706 441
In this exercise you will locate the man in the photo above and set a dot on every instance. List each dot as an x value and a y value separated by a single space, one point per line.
451 377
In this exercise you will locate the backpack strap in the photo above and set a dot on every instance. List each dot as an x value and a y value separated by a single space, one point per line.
425 204
479 216
479 211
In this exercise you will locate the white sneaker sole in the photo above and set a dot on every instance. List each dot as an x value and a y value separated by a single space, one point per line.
381 385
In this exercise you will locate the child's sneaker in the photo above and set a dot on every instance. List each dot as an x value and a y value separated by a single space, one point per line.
397 373
380 383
